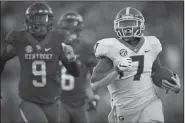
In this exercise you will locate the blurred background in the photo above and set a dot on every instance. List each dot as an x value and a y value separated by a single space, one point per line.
163 20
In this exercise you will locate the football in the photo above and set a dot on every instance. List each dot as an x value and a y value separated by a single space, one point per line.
162 74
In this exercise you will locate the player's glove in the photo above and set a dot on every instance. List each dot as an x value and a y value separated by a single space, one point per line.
92 104
174 85
69 52
124 64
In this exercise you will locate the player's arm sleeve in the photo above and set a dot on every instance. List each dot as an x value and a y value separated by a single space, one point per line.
8 50
90 62
103 74
156 65
73 67
158 49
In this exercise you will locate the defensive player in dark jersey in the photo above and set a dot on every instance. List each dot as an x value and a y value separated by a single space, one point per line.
74 96
39 49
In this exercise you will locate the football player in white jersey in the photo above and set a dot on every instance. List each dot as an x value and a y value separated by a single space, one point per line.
125 67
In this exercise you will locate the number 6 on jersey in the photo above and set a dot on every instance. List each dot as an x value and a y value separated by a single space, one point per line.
67 80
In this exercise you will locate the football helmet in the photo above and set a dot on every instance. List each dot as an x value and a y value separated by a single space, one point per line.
129 23
39 18
71 22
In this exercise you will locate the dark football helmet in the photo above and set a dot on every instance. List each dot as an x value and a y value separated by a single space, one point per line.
71 22
39 18
129 23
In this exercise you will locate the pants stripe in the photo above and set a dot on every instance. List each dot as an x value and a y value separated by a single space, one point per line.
23 116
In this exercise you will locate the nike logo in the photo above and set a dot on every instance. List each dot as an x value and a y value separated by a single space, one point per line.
47 49
147 51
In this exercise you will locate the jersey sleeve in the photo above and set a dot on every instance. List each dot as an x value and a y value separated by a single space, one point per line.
156 65
103 68
88 58
156 44
102 48
91 62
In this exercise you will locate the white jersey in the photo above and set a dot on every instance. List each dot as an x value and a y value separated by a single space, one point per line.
135 87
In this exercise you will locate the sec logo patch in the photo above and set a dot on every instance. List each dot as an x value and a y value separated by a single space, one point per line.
28 49
123 52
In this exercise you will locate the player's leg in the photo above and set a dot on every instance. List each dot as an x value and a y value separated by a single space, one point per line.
79 114
32 113
119 115
112 116
153 113
64 114
52 112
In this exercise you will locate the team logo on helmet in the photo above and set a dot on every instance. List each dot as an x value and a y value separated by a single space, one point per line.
28 49
123 52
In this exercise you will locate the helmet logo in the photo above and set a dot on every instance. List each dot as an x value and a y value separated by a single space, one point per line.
123 52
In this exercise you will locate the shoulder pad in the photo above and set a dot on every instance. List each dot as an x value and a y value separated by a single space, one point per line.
154 41
103 46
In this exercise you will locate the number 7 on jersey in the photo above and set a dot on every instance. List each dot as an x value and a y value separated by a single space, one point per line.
140 68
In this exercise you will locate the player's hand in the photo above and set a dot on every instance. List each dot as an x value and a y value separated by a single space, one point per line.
69 52
92 104
174 85
124 64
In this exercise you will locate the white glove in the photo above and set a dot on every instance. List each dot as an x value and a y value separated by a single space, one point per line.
69 52
124 64
174 86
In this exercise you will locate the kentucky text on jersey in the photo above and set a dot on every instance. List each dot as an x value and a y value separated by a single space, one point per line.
38 56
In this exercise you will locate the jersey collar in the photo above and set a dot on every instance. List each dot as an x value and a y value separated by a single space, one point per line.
137 47
36 42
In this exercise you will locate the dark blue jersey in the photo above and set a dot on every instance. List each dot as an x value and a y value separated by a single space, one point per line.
39 63
74 89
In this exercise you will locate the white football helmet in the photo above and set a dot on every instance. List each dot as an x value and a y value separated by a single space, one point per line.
129 23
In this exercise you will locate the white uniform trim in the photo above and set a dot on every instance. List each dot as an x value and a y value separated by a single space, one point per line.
127 10
23 116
